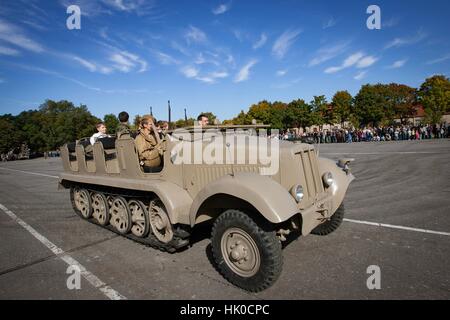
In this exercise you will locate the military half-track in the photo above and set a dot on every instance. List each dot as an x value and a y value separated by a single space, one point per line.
251 212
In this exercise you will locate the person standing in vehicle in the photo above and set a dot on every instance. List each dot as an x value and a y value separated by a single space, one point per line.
123 129
149 151
202 120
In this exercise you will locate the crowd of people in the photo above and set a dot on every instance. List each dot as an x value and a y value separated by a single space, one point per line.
387 133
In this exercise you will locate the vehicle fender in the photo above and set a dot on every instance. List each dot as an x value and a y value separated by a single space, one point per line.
267 196
341 181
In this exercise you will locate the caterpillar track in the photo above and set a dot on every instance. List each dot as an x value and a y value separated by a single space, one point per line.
180 237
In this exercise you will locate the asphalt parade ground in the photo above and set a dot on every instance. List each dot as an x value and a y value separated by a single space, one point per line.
397 218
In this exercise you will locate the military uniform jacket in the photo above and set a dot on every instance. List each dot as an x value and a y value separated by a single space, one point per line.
123 130
148 150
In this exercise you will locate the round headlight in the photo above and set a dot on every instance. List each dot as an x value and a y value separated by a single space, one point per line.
327 179
297 192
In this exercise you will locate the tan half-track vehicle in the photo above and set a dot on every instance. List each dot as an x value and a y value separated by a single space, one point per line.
252 214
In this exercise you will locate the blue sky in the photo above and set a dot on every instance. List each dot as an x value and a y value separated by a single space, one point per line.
218 56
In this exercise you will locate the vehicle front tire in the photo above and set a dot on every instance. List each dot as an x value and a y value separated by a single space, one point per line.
246 253
331 225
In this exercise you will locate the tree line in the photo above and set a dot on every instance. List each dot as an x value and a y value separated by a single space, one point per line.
377 104
57 122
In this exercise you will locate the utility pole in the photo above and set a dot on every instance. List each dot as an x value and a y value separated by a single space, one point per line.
151 111
170 112
185 116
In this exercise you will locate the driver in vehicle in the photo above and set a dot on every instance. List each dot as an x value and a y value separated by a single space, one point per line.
149 150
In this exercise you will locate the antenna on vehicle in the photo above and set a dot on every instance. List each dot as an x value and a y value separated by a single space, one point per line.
170 112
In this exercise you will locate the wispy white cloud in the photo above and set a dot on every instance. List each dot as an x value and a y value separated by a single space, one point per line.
78 82
360 75
244 73
125 61
327 53
8 51
439 60
89 8
192 72
93 67
212 77
201 59
140 7
15 36
350 61
329 23
194 34
175 45
262 41
222 8
239 34
284 42
398 64
35 25
365 62
189 71
399 42
281 73
166 59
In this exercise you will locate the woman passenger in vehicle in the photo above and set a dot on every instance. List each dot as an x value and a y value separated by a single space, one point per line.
149 150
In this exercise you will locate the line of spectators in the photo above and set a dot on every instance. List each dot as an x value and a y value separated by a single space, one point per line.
387 133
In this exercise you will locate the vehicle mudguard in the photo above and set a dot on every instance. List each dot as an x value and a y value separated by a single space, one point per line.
341 181
265 194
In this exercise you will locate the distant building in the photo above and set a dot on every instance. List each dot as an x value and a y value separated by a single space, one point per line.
419 115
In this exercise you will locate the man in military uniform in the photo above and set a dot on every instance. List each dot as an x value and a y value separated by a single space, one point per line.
123 129
149 150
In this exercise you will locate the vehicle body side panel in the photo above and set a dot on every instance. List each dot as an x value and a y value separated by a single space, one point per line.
273 201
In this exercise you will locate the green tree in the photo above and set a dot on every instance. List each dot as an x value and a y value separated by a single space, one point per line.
181 123
370 104
299 114
241 119
10 137
434 94
321 111
401 100
341 106
111 123
261 112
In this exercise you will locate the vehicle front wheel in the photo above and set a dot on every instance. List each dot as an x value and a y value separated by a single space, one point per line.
246 253
332 224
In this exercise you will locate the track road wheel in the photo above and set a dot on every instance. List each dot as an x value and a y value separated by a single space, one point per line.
100 208
160 222
245 252
332 224
121 215
81 200
139 218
